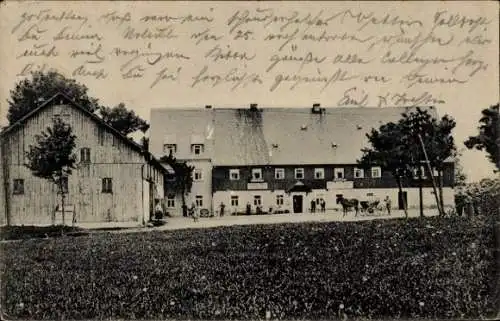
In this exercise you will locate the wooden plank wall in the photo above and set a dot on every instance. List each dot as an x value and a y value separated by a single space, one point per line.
110 157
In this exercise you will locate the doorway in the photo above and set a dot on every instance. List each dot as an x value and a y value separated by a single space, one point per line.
297 203
402 200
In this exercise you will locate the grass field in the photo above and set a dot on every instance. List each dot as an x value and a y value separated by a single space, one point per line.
430 268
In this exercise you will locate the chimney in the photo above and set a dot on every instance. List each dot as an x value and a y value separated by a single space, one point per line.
316 109
208 106
253 106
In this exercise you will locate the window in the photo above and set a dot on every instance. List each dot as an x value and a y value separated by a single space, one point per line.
257 200
169 149
197 149
107 185
339 173
197 175
257 174
234 200
171 201
435 172
319 173
279 173
359 173
199 200
18 187
376 172
100 135
279 199
234 174
299 173
85 155
416 172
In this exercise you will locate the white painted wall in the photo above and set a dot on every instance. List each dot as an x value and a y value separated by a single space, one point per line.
269 198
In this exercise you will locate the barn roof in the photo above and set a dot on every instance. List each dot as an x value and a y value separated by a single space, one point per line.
277 136
62 99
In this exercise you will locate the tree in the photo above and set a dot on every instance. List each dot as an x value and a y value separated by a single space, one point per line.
123 120
488 138
52 157
183 178
28 93
397 146
387 151
421 130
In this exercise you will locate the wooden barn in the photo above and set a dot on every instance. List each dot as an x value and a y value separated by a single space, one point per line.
115 180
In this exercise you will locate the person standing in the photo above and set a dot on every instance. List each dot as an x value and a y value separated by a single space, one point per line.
194 212
387 202
323 205
249 208
222 207
313 206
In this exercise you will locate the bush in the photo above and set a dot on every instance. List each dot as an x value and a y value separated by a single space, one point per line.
416 268
29 231
483 196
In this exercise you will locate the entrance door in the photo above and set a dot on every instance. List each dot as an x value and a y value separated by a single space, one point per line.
402 200
297 203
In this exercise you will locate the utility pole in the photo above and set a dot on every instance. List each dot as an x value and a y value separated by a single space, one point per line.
432 176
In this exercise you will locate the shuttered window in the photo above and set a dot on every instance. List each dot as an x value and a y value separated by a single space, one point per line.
85 155
18 188
107 185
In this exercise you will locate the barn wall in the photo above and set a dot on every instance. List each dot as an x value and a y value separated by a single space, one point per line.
110 157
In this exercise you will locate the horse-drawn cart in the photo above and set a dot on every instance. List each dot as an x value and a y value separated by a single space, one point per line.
371 207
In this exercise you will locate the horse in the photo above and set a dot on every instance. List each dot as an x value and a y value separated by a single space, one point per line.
348 203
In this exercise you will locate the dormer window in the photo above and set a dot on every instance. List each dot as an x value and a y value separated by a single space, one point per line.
197 149
338 174
257 174
299 173
359 173
170 149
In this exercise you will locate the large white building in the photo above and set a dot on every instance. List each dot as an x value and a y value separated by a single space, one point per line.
282 157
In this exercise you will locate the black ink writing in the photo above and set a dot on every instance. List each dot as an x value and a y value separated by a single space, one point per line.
67 33
83 71
235 76
217 53
205 35
167 32
93 55
296 79
165 74
354 97
40 50
308 58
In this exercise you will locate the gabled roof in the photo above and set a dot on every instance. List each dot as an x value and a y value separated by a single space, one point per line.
277 136
64 99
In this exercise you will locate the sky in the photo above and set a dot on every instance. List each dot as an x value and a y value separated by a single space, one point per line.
471 27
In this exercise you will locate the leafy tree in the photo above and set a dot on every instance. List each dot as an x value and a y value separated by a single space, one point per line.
183 178
123 120
387 151
488 138
145 143
419 127
397 146
52 157
30 93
